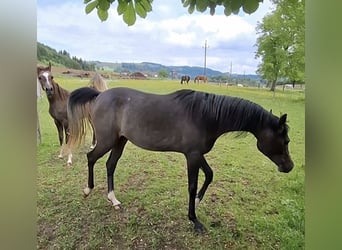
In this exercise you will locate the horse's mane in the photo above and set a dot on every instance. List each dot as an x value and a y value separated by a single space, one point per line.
219 111
62 93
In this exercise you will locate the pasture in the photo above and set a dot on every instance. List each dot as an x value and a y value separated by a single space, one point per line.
249 205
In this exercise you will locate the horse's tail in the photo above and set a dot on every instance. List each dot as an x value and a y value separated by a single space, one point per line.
79 116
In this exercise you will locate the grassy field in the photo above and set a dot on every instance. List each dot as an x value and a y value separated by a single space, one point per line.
249 205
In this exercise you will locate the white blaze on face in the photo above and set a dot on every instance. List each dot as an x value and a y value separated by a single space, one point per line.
47 82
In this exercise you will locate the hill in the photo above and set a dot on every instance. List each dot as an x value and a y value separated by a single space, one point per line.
155 68
46 54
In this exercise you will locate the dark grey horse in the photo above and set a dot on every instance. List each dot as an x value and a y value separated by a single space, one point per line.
185 79
185 121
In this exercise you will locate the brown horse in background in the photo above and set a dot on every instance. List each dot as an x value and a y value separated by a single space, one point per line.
200 78
57 97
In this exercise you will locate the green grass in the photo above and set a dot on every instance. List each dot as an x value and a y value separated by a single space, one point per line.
249 205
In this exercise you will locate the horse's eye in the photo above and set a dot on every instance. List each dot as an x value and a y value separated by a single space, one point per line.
51 77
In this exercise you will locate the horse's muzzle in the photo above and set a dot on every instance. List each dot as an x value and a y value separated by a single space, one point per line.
286 167
49 92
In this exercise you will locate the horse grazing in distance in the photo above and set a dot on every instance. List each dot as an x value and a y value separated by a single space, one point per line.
185 79
191 125
57 97
199 78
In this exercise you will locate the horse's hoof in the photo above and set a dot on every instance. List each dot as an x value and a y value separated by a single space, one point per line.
200 229
116 206
86 191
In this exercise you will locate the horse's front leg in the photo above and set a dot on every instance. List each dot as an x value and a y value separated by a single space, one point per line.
193 161
67 135
208 172
60 137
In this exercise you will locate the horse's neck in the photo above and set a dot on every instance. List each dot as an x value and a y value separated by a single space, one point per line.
61 93
252 124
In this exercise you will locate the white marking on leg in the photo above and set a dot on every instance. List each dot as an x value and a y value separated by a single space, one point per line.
197 201
113 200
69 162
60 156
86 191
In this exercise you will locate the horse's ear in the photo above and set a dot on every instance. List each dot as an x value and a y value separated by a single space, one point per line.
271 111
50 66
282 119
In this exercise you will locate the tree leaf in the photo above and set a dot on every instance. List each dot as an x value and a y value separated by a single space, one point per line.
147 5
140 9
91 6
201 5
129 16
104 4
212 10
191 9
227 11
122 6
102 14
186 3
250 6
86 1
235 5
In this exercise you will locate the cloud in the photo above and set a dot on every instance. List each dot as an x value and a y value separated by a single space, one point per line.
168 35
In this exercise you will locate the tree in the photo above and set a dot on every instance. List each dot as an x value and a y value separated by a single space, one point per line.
163 73
130 8
281 43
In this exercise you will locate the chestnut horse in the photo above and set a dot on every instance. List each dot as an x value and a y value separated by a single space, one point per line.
58 97
200 78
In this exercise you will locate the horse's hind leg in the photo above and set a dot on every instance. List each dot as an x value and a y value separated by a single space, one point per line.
92 157
111 165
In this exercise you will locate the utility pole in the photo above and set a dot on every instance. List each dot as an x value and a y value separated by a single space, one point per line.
230 71
205 58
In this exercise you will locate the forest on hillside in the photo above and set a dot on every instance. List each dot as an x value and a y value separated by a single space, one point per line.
45 54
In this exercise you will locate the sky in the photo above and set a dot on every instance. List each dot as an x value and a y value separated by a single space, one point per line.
169 35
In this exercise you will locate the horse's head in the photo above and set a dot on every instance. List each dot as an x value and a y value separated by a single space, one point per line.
273 142
45 79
